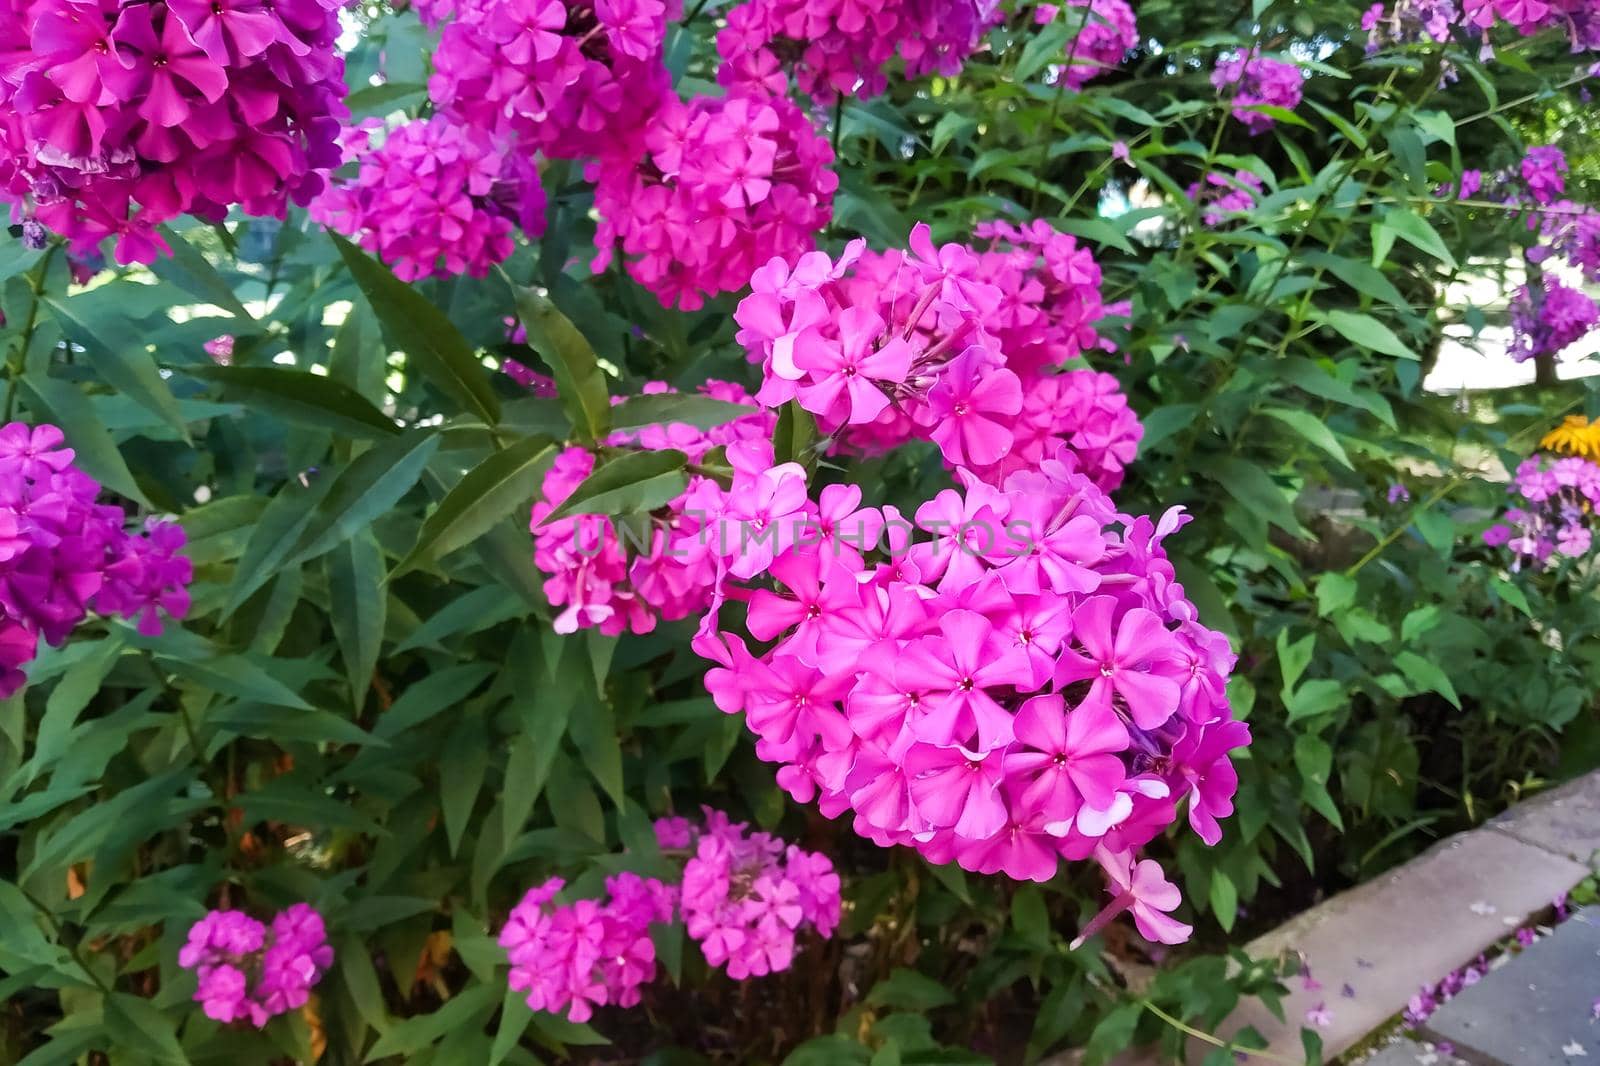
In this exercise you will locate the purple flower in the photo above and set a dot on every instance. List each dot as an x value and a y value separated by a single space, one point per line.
1398 493
226 947
1259 81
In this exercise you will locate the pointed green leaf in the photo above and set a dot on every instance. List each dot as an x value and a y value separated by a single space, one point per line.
580 382
1415 230
119 357
314 400
1313 429
672 408
495 488
358 605
1364 331
65 405
369 487
629 484
192 272
1427 676
415 326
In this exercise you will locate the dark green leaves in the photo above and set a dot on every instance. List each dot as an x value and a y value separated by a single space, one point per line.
702 412
313 400
631 483
490 491
415 326
579 379
113 347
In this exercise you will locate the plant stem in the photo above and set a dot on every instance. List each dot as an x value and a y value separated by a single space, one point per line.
1214 1041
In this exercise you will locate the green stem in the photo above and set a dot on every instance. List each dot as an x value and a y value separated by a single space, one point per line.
1442 491
1214 1041
16 366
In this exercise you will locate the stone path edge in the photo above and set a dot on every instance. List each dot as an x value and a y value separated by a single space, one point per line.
1416 923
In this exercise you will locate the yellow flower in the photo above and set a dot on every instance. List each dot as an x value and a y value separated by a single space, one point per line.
1576 436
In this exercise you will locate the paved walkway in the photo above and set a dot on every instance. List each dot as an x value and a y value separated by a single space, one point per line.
1372 948
1537 1009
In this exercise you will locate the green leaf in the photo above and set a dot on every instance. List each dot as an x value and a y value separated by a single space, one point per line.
909 990
1294 658
1362 277
1419 622
365 490
120 359
413 325
68 699
442 690
515 1014
1335 592
1224 899
494 489
1512 595
358 606
235 675
1046 45
579 380
1415 230
193 273
1163 422
1318 696
1364 331
469 1008
632 483
315 400
674 408
1427 676
462 765
1313 430
1252 487
135 1025
276 534
96 453
795 437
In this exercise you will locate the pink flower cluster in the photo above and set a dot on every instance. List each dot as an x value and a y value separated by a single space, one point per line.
435 198
945 343
1579 18
1026 684
116 117
1258 81
1555 511
1544 171
1109 31
724 184
843 47
1546 320
248 972
572 79
63 555
679 561
575 957
1409 21
1220 197
747 896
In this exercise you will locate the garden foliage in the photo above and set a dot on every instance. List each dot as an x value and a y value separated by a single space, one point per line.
391 674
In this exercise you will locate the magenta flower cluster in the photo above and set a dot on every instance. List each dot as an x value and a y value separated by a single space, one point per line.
950 344
571 79
1549 318
435 198
1579 18
744 898
63 555
1109 31
1255 81
696 194
1408 22
251 972
723 184
1554 513
574 957
843 47
1221 197
1024 683
116 117
674 571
